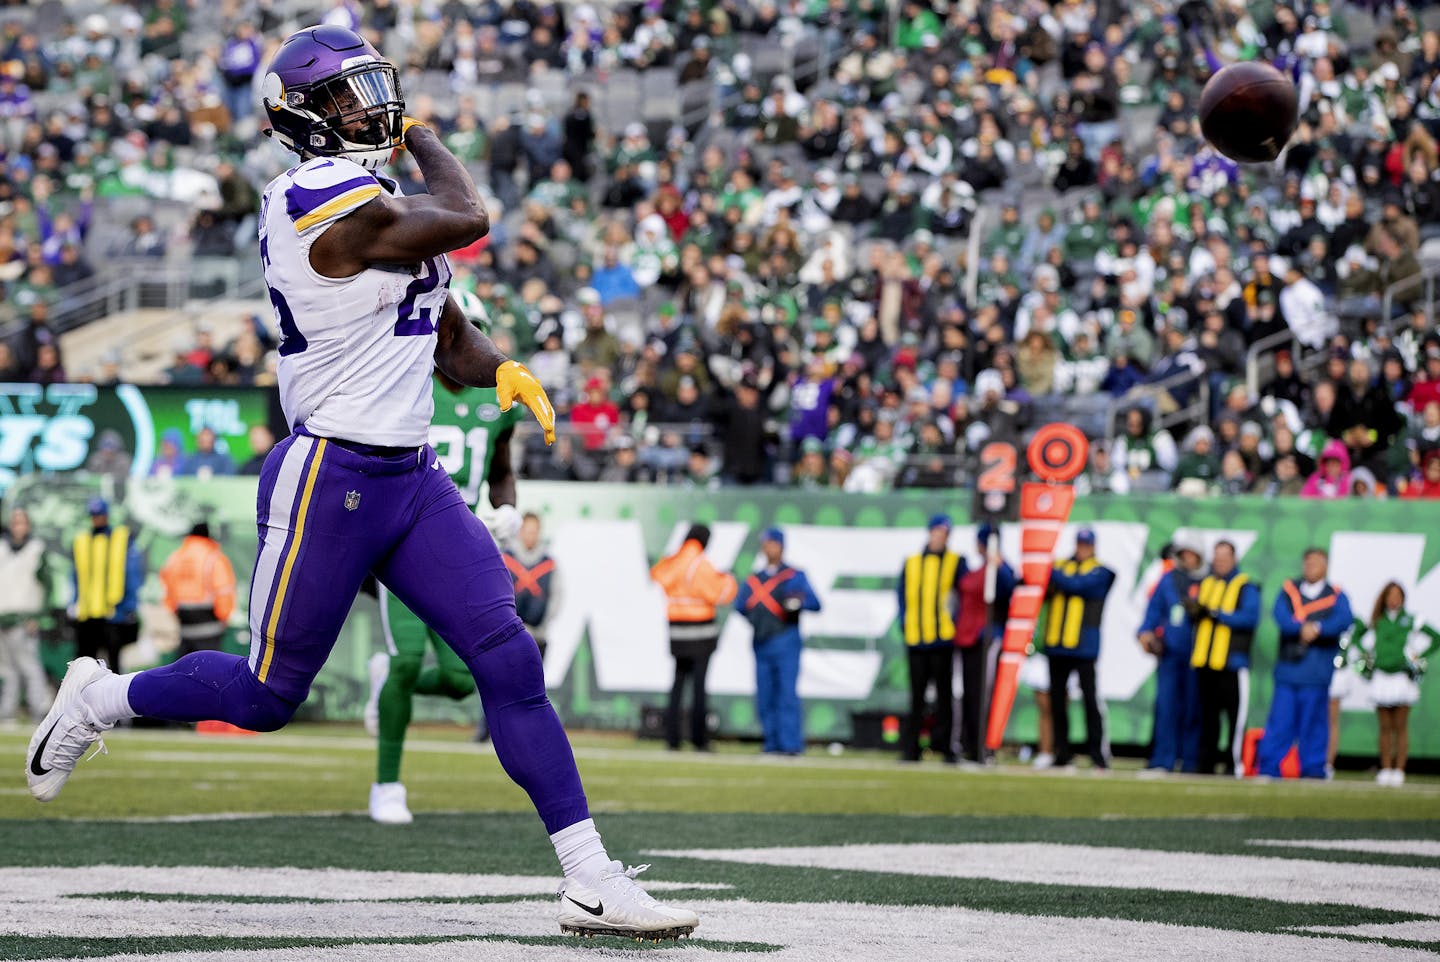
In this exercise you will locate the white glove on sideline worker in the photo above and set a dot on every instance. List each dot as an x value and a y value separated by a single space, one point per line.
504 523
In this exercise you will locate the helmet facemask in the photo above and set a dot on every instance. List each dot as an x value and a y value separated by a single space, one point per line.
356 114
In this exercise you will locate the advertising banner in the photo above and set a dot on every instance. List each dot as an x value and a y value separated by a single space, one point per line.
608 654
58 428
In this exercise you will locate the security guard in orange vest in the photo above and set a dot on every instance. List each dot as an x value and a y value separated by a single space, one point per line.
200 588
927 594
693 589
106 582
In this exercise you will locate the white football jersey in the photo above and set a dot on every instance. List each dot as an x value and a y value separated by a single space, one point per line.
357 353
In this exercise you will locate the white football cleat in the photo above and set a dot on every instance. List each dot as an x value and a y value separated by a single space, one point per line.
1042 761
617 905
66 732
387 804
379 671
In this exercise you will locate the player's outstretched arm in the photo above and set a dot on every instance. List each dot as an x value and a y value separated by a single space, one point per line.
407 230
465 355
502 471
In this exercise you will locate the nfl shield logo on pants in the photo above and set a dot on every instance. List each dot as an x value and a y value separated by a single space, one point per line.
352 500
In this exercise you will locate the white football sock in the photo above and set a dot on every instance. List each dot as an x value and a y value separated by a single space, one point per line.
108 698
581 853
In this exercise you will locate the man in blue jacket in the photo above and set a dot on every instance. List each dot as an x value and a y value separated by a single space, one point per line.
771 599
1078 588
1168 632
1228 611
1311 614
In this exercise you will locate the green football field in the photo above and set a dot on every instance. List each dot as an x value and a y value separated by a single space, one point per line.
188 848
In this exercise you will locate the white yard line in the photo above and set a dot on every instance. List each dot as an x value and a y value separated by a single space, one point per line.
806 932
1420 930
1287 880
1424 847
29 885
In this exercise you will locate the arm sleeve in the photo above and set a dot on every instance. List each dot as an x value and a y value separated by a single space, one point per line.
1005 580
1338 618
1166 456
166 573
1247 614
326 189
224 588
1155 609
134 577
1285 615
722 587
811 601
1434 637
900 595
557 594
1093 585
742 596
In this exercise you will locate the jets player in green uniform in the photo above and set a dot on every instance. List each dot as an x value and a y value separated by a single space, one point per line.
471 436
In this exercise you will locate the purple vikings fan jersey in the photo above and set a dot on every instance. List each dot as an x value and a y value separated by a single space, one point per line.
357 353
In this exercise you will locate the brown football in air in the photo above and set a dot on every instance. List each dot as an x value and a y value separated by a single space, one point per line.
1248 112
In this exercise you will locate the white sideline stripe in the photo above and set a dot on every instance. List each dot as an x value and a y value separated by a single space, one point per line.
1286 880
213 817
808 933
232 758
225 750
1425 847
1419 930
43 884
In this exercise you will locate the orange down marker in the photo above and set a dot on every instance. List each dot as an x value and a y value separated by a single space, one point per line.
1057 455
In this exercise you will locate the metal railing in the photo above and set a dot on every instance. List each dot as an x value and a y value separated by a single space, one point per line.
1147 394
808 55
1260 358
128 285
1425 280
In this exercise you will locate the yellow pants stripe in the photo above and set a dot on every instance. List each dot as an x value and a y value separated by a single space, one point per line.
290 560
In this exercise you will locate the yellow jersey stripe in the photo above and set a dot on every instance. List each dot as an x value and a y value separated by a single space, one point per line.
279 606
343 204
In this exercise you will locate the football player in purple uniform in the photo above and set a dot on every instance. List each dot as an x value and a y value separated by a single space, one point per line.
359 283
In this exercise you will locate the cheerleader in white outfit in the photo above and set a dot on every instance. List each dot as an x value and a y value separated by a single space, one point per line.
1394 659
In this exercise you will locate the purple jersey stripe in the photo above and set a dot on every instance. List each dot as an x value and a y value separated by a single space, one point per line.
300 201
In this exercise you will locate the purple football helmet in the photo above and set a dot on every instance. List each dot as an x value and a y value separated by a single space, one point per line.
329 93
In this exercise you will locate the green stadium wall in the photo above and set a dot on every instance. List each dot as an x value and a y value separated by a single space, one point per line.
608 656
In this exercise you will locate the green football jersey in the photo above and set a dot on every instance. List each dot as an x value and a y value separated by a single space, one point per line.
463 434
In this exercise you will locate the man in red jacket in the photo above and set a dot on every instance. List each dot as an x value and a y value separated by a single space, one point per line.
596 415
1427 386
975 628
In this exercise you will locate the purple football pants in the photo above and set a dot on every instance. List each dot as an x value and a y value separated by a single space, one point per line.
328 516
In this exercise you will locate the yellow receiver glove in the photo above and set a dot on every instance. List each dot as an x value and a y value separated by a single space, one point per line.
405 124
513 380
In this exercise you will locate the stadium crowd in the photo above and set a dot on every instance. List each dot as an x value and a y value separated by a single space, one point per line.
967 220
